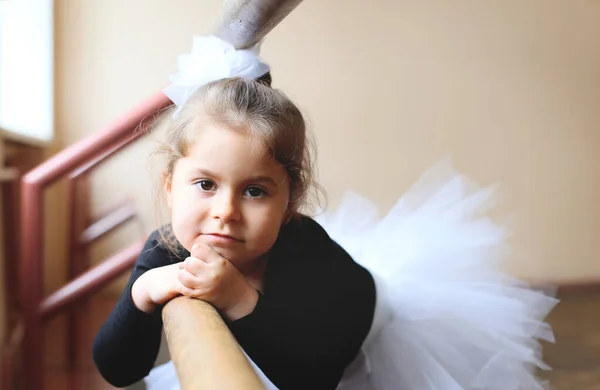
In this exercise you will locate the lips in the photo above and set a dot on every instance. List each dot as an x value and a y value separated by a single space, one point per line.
219 238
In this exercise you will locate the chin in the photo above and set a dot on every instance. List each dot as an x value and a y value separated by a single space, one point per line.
233 256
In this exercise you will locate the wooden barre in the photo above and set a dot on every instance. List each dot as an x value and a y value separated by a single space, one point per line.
247 22
204 352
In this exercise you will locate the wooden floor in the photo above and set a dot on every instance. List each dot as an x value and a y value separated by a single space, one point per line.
85 376
575 357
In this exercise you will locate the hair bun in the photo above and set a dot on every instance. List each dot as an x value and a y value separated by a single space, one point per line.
265 79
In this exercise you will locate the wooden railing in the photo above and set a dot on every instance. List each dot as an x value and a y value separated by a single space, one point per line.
37 309
245 23
83 233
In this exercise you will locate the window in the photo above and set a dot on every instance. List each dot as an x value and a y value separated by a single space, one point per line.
27 69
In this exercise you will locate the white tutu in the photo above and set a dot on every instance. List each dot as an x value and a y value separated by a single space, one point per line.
447 317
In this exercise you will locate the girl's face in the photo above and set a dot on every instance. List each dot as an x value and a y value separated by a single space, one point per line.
228 194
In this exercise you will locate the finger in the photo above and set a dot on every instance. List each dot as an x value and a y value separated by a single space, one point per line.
186 291
205 253
188 280
193 265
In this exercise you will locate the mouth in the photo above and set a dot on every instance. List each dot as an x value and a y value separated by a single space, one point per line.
219 238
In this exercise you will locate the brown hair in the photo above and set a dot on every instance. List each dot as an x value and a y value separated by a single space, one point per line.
255 107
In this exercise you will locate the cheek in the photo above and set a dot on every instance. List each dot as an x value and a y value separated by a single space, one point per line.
185 213
266 223
187 208
265 234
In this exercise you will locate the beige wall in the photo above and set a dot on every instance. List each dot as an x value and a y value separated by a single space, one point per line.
509 90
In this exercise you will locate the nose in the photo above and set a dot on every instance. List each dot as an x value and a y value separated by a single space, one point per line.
225 207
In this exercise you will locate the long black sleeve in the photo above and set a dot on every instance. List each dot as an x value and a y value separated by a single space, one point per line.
127 344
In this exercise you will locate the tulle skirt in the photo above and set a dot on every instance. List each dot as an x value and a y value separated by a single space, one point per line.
448 317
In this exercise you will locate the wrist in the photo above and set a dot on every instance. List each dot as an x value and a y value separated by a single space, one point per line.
244 306
140 296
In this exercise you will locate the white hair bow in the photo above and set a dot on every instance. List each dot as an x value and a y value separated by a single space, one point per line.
212 59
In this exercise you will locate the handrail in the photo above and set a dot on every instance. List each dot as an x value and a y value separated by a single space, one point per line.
87 149
32 189
81 237
95 163
90 281
206 359
107 223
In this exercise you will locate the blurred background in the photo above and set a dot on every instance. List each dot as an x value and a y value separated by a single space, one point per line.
509 91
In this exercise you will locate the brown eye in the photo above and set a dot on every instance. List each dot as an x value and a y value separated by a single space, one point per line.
255 192
205 185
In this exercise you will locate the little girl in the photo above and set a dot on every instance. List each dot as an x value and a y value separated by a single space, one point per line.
413 301
238 169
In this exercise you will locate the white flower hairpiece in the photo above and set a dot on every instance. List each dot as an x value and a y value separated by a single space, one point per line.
212 59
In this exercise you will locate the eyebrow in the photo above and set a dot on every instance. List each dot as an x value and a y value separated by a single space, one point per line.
253 179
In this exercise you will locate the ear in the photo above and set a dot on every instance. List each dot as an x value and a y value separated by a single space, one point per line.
167 180
289 214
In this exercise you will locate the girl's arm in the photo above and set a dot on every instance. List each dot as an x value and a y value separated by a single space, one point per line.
126 347
307 341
